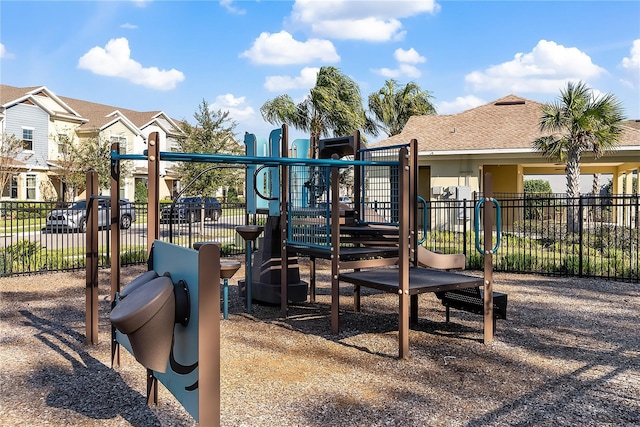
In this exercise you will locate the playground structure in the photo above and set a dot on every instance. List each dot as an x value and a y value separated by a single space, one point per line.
188 306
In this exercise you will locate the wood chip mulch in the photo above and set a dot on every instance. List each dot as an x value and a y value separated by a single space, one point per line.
567 355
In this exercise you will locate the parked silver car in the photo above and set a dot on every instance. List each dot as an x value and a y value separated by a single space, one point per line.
75 217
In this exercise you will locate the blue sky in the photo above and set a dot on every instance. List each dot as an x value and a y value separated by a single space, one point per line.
170 55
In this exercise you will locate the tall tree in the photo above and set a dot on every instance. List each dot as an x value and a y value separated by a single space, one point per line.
579 121
92 154
213 133
66 168
332 108
393 104
11 148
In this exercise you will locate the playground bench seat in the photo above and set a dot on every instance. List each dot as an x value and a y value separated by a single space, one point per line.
472 301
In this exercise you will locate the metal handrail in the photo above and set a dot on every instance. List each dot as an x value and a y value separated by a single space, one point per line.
479 204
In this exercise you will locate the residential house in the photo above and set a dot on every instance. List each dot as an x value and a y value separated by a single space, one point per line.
45 121
456 150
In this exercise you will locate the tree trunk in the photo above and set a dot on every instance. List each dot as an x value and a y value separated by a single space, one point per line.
573 189
595 187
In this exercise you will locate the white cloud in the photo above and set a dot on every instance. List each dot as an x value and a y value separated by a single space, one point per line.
236 106
633 61
546 69
406 59
282 49
370 29
4 53
348 19
410 56
461 103
403 70
306 80
128 26
114 60
228 4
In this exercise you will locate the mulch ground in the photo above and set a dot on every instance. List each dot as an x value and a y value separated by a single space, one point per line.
568 354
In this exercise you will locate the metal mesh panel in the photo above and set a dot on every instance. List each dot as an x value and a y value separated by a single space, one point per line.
379 186
309 212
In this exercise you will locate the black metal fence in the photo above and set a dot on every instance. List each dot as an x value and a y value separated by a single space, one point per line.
31 241
589 236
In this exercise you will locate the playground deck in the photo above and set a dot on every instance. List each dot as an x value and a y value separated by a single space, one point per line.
421 280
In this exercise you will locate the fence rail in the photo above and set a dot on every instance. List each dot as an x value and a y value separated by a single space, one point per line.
589 236
29 245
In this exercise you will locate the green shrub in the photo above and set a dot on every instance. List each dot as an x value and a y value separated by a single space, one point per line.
141 192
516 262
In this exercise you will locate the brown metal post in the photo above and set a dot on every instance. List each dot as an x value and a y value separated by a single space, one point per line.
284 206
91 291
404 253
487 192
312 279
152 388
357 176
208 336
357 202
153 185
334 223
413 201
114 223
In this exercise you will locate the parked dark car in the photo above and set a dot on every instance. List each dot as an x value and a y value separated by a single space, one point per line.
75 216
187 209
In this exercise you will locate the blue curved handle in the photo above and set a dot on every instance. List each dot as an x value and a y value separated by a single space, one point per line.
424 220
498 226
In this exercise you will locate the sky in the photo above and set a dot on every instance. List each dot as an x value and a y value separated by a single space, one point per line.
149 55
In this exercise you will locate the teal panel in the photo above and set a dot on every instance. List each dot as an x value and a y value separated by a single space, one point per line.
262 180
181 376
274 173
250 193
182 264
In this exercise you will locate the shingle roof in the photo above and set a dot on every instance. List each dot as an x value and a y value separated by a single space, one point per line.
9 93
100 114
97 114
508 123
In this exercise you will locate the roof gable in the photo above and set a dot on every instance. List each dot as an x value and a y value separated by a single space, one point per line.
41 97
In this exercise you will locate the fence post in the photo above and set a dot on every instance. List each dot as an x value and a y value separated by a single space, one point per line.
464 227
580 233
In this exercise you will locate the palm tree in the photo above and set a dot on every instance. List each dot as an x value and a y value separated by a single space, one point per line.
392 105
579 121
332 108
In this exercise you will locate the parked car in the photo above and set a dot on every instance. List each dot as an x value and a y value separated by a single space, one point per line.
187 209
75 216
346 200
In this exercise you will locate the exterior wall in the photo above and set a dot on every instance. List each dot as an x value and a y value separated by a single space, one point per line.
60 127
505 178
454 173
50 103
120 130
30 116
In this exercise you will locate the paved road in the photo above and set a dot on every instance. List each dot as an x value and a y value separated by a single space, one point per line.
136 235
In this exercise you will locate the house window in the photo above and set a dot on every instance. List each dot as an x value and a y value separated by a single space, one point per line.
31 187
27 139
63 144
122 143
14 187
